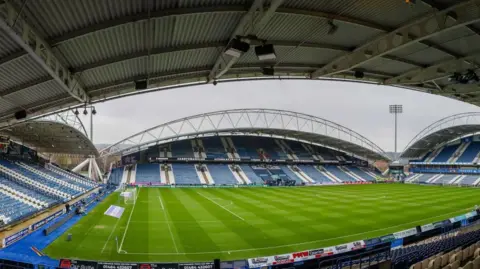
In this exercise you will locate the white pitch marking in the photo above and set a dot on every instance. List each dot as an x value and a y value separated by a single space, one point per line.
221 206
128 222
296 244
161 202
168 223
111 233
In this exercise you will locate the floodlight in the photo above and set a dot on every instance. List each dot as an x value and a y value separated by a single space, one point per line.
265 52
236 48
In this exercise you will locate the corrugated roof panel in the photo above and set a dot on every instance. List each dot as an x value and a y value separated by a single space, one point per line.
6 105
190 3
125 39
387 66
37 93
451 35
19 71
464 46
299 55
7 45
312 29
184 60
427 56
57 17
115 72
388 13
200 28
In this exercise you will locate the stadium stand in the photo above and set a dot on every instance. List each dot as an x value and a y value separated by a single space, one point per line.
359 172
445 154
298 150
339 173
185 174
147 173
214 148
470 153
182 149
251 175
221 174
292 175
316 174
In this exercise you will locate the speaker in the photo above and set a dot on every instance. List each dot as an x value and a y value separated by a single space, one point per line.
216 264
22 114
268 71
141 84
359 74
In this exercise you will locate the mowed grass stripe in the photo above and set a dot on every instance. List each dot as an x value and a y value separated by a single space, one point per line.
277 220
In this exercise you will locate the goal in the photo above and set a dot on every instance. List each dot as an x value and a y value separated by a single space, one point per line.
129 196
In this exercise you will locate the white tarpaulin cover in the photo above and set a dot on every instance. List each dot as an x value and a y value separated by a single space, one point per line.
115 211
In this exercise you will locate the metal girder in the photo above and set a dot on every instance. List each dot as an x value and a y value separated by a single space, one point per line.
268 121
40 51
239 70
157 51
441 6
436 71
249 24
423 28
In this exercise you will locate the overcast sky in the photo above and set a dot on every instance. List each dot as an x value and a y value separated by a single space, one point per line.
361 107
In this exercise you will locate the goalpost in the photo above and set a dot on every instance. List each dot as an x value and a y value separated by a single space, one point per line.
129 196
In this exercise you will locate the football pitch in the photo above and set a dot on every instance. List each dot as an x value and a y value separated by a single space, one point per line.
200 224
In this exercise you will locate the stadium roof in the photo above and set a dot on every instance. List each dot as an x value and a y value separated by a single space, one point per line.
51 137
55 54
257 122
441 132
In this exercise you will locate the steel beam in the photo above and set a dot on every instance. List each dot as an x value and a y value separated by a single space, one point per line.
436 71
433 24
40 51
157 51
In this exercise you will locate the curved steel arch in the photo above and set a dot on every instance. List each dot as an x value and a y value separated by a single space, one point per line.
260 121
448 128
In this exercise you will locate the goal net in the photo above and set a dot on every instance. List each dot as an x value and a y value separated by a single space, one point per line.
129 196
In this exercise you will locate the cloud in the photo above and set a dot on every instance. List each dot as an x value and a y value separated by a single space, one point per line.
361 107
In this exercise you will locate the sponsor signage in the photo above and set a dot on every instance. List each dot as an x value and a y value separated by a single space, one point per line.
471 214
196 265
304 255
7 241
48 219
405 233
116 265
427 227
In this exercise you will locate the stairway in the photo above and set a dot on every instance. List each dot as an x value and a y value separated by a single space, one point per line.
460 150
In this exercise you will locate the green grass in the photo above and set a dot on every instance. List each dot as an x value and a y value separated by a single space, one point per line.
234 223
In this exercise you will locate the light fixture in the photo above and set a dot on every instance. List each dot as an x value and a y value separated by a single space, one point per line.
85 112
94 112
265 52
333 28
236 48
76 112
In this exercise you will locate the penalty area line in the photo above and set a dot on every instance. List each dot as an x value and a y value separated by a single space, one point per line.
221 206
